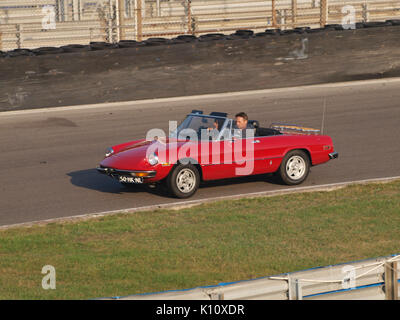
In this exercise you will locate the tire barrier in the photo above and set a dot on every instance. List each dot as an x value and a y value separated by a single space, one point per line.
239 34
20 52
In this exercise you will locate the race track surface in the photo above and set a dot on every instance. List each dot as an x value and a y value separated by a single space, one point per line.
48 159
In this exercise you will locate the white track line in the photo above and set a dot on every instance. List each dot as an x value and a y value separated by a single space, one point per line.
191 203
200 97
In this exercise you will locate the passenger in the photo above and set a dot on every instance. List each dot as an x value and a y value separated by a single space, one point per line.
214 130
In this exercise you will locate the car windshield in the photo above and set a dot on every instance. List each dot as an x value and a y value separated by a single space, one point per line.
200 127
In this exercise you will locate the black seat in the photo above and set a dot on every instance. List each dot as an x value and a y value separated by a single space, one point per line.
262 132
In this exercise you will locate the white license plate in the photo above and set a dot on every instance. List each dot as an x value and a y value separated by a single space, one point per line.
125 179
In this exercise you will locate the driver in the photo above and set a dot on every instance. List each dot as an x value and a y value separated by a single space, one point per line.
241 124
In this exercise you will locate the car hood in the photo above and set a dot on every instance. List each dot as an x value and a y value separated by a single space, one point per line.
134 156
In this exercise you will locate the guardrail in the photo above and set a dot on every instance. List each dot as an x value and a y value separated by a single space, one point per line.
372 279
38 23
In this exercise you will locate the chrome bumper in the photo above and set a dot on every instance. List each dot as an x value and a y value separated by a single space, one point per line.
333 155
134 173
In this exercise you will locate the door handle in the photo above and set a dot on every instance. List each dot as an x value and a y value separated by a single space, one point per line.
256 141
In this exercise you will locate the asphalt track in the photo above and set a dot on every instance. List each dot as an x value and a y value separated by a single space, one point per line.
48 157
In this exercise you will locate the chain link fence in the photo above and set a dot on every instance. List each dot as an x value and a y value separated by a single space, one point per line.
41 23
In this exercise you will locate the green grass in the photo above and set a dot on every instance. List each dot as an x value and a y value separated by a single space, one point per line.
204 245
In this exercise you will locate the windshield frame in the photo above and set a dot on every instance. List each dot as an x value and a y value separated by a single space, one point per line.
227 123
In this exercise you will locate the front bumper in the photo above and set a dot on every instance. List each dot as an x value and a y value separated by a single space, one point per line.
116 173
333 155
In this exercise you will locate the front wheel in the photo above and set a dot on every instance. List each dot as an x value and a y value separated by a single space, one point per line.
183 181
295 167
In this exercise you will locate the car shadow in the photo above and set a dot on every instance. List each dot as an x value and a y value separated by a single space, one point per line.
267 178
91 179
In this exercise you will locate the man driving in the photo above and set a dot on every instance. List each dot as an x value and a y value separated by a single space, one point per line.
241 124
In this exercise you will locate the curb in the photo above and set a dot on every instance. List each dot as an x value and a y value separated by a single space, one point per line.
222 95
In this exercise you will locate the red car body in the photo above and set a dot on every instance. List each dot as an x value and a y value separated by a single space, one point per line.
281 148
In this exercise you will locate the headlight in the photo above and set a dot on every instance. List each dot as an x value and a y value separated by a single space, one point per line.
153 159
109 152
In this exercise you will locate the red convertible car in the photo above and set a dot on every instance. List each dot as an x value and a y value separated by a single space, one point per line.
209 147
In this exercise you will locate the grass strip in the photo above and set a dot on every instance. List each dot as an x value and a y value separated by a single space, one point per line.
204 245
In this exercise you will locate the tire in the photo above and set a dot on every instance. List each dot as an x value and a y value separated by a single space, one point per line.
261 34
156 41
289 31
315 30
212 37
20 52
187 38
394 22
102 45
183 181
333 27
374 24
47 50
273 32
295 167
301 29
244 34
75 48
130 44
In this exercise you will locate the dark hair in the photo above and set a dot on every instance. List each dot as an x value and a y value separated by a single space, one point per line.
242 115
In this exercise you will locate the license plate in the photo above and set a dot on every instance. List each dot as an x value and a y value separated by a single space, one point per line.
130 179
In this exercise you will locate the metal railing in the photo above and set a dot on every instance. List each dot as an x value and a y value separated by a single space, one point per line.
39 23
372 279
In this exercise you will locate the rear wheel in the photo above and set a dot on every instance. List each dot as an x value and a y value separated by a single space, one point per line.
295 167
184 180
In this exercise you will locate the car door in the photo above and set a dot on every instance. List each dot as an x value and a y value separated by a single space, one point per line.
217 156
268 154
249 154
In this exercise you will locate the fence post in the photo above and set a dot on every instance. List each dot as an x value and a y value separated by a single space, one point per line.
189 13
158 8
294 13
295 289
76 10
138 19
391 283
119 16
18 35
273 14
323 12
110 22
365 12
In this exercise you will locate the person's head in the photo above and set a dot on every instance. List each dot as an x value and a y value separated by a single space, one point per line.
241 120
216 124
